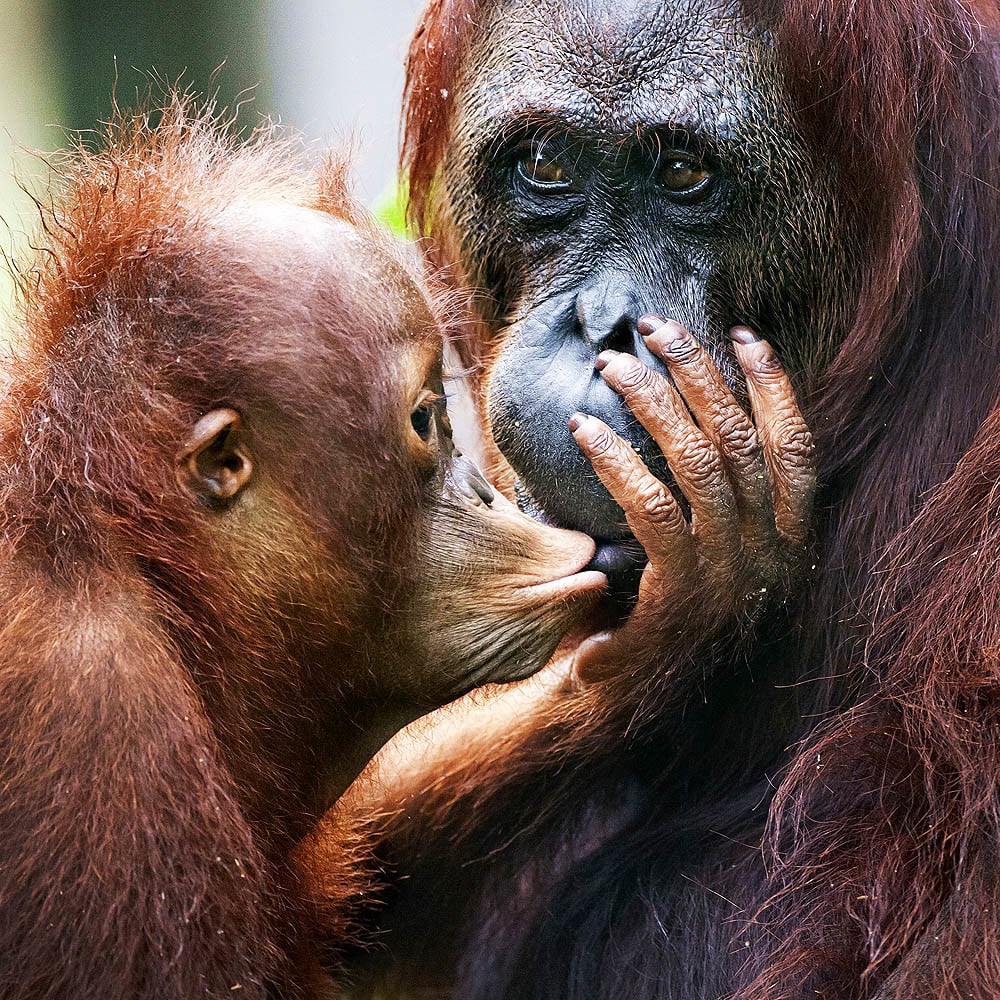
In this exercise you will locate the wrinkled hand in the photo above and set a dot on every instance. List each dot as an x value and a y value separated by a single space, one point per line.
749 485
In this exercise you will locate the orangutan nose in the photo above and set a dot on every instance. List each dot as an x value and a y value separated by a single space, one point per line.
606 314
470 481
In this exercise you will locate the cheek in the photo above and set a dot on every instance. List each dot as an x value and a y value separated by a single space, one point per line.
543 373
783 265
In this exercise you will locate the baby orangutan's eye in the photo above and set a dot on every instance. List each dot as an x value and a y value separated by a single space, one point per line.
422 417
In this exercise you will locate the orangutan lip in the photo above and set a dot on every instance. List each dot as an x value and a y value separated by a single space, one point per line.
616 557
579 584
576 578
620 559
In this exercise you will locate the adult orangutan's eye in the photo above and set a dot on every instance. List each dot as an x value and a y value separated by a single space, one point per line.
545 170
683 176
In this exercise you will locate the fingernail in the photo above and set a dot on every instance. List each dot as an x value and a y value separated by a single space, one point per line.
588 665
743 335
603 359
672 334
576 420
649 324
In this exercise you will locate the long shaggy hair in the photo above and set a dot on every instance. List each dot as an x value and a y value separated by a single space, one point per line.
884 836
136 859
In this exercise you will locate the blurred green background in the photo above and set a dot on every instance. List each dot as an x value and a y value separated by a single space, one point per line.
330 68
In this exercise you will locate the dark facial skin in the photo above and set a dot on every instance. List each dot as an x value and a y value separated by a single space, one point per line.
651 171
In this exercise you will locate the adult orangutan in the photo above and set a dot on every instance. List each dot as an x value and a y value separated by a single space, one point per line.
237 554
827 174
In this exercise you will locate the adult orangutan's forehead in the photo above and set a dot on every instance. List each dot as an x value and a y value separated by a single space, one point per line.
624 63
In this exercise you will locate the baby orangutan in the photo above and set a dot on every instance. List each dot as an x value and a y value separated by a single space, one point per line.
238 552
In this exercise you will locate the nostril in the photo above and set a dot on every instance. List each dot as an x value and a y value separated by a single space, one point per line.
471 482
619 335
482 489
620 338
607 310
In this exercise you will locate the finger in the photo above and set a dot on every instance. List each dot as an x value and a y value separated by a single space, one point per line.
653 515
694 461
721 418
787 444
595 659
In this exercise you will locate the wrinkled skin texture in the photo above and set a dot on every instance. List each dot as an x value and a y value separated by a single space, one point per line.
572 272
827 175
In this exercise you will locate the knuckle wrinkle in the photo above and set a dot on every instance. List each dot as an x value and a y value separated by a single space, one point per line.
636 378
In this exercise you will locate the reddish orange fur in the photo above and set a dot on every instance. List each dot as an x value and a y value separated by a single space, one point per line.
893 800
158 705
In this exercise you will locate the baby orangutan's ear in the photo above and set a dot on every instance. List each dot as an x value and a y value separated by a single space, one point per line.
214 463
